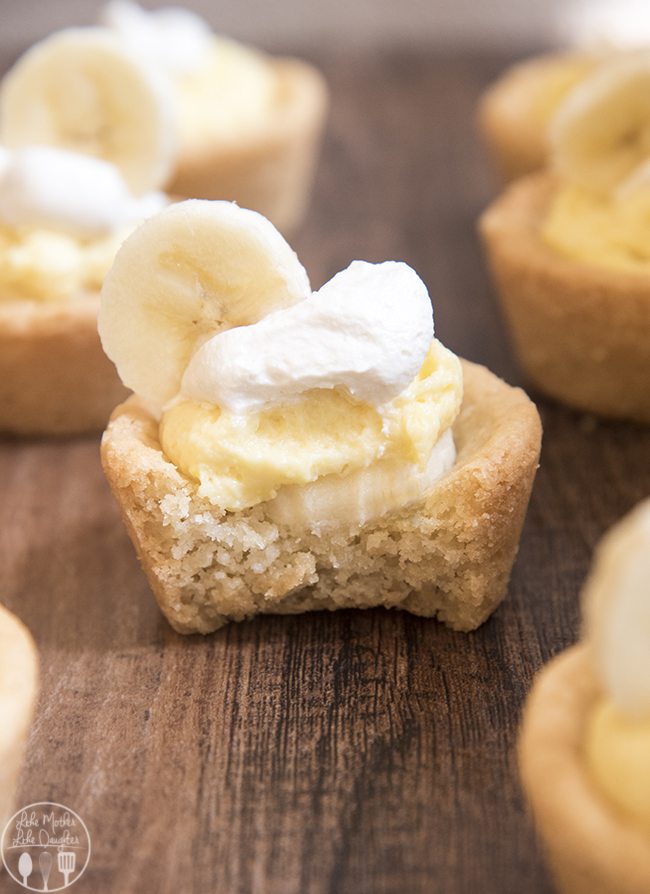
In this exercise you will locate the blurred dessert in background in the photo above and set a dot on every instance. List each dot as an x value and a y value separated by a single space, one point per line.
585 740
88 142
249 125
569 249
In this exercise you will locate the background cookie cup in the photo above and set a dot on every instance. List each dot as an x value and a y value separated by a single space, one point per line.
18 685
591 847
581 332
54 375
272 168
448 556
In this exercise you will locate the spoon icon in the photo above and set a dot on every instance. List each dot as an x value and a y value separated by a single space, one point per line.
25 867
45 865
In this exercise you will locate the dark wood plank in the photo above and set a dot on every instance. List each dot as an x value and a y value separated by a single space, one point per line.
369 753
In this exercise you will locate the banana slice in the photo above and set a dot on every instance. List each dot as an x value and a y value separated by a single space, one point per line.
82 89
601 132
361 496
617 611
197 268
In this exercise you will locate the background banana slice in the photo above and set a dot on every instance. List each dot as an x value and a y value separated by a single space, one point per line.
617 612
601 133
82 89
197 268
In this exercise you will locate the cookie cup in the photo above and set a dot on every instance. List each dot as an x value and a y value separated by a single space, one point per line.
591 847
448 555
54 376
581 332
270 169
18 687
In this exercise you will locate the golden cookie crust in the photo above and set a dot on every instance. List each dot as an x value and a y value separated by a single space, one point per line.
448 556
18 688
592 849
272 170
54 376
581 332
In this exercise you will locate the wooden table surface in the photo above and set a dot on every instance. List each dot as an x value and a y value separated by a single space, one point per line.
348 753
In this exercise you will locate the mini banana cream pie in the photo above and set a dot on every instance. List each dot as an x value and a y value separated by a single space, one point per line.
88 142
585 740
569 249
517 110
249 125
289 450
18 688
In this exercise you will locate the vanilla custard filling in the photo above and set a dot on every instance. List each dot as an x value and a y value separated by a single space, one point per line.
600 137
345 387
240 460
617 750
45 266
600 229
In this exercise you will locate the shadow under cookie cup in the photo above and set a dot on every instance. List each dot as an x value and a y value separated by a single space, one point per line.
448 555
592 848
54 376
581 332
272 168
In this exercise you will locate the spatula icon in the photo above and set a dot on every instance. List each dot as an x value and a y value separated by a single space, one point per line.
66 862
25 867
45 865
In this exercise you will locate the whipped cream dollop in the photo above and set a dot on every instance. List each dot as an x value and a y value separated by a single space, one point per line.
173 38
42 186
368 330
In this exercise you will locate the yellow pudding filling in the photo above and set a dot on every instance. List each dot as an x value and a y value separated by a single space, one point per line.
240 461
558 79
231 94
43 265
618 758
600 229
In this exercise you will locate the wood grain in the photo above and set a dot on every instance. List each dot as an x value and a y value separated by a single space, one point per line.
348 753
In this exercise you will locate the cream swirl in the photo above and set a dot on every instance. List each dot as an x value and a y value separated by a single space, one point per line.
41 186
368 330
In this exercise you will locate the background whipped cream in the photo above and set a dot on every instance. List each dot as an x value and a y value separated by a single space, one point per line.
368 330
173 38
42 186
